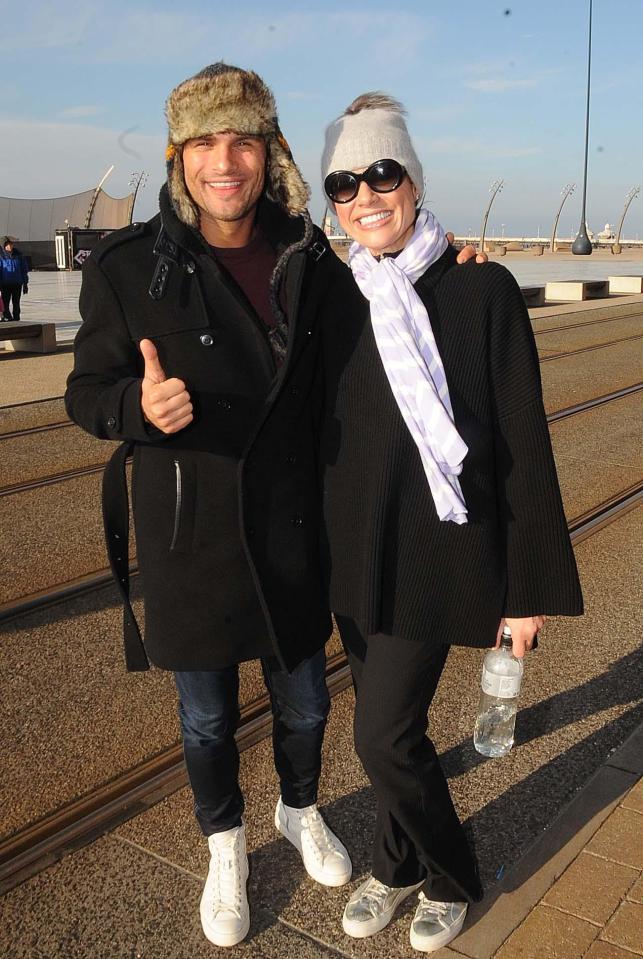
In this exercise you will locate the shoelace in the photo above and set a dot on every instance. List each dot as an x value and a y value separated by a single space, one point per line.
227 891
430 910
374 895
322 841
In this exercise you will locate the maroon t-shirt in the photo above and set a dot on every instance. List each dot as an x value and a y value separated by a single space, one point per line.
251 267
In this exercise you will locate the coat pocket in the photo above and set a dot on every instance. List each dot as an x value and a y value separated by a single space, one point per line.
182 530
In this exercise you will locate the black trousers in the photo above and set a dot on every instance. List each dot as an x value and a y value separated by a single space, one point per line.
418 835
11 294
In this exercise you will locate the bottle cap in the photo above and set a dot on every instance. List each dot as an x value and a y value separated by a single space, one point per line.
506 641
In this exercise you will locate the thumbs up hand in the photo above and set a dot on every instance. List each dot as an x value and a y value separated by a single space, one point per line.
165 402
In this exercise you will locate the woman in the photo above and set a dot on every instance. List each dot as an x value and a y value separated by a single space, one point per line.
443 510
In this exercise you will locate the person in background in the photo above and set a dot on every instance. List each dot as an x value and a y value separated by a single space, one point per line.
14 279
442 507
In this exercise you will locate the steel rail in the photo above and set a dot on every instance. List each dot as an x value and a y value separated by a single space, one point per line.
50 838
588 349
80 471
44 428
44 842
577 326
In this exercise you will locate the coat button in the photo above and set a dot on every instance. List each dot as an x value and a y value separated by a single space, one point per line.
190 267
111 422
291 458
294 391
297 521
206 339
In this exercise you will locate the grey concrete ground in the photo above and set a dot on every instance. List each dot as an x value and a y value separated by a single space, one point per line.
29 414
53 296
598 453
136 892
70 717
37 455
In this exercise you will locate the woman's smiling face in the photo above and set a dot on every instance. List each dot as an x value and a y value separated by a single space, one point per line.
382 222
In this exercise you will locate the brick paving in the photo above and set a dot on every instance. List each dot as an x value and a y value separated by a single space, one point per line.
595 909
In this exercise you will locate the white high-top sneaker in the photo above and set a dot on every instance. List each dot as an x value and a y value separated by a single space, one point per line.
225 915
325 858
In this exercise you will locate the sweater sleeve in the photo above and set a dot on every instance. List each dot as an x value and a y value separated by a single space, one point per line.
104 388
542 577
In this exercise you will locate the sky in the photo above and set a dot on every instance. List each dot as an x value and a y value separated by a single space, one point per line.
492 90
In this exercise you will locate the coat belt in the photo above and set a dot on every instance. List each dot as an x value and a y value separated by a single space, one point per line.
116 525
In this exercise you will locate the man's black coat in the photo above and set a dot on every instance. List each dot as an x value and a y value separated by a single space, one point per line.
227 511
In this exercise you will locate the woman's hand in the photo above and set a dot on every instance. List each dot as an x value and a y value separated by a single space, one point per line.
467 252
523 633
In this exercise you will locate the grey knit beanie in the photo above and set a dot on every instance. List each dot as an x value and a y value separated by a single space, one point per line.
372 128
220 98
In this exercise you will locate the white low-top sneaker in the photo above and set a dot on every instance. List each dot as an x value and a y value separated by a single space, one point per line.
326 859
371 907
436 923
225 915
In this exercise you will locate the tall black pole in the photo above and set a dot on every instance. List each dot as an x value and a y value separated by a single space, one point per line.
582 245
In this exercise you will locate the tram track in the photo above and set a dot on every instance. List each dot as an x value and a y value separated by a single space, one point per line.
45 481
588 349
637 314
40 844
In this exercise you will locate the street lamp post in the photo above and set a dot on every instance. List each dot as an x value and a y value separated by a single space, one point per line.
582 245
495 188
634 192
566 191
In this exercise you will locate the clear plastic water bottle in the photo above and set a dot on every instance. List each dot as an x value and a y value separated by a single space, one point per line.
501 678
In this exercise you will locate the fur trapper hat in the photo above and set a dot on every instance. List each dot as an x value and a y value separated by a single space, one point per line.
224 98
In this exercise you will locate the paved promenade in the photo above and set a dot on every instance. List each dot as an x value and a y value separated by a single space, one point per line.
557 824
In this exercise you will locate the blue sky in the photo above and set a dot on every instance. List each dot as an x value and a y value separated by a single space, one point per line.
492 90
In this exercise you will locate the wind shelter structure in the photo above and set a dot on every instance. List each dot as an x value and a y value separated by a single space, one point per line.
33 223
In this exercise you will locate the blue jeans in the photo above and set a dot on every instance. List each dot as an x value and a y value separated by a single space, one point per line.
209 714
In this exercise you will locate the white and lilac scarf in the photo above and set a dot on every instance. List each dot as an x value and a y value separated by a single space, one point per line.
411 359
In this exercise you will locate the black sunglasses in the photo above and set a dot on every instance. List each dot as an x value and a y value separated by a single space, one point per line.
383 176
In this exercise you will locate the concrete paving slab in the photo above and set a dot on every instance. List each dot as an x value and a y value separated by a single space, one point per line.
620 839
625 928
591 888
574 379
549 934
605 950
634 799
112 901
564 341
636 892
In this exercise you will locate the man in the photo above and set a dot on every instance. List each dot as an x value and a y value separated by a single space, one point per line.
199 350
14 279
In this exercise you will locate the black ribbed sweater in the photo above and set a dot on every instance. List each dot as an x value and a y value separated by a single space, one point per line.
394 566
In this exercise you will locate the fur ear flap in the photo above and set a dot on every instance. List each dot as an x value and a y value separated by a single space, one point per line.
285 184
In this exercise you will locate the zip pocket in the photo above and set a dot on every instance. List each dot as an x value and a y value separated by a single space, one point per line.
177 508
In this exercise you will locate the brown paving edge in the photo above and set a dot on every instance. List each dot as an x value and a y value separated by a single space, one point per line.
508 903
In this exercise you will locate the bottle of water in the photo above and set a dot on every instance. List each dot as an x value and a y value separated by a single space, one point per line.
501 679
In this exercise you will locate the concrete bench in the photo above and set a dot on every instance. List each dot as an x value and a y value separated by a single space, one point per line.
576 290
29 337
626 284
533 295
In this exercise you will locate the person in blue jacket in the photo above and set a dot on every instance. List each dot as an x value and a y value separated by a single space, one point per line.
14 279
